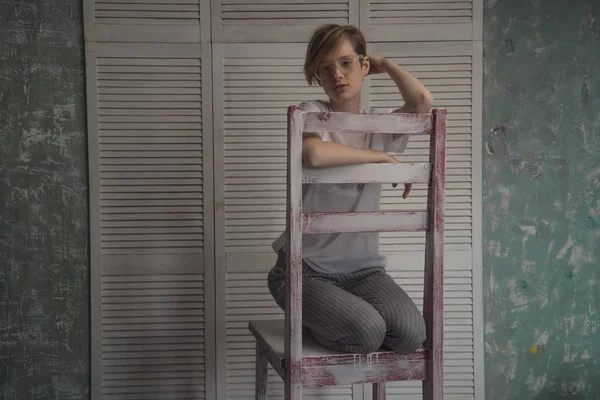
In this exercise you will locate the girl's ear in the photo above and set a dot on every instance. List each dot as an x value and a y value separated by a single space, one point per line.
366 66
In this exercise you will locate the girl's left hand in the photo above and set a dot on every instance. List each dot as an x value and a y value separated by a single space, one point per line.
376 64
407 188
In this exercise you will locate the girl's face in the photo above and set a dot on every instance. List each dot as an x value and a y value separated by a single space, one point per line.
341 74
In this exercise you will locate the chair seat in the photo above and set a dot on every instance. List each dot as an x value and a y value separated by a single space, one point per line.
324 367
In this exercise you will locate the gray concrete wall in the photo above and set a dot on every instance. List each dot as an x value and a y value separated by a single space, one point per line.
44 296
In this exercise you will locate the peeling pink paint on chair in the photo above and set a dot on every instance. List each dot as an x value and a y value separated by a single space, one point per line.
433 306
300 370
385 221
351 123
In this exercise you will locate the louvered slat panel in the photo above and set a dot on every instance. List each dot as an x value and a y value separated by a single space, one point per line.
152 335
276 20
447 74
150 141
259 118
418 12
150 21
147 12
151 217
413 20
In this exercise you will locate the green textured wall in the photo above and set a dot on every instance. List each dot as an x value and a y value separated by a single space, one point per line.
541 199
44 296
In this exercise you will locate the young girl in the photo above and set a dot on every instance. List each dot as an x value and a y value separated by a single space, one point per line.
350 303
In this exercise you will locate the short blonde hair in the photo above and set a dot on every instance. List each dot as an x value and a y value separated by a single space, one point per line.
327 38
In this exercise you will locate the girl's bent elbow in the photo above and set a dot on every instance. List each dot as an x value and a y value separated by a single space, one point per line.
426 102
310 157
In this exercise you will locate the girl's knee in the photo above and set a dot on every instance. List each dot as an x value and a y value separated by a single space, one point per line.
409 336
365 334
416 333
370 338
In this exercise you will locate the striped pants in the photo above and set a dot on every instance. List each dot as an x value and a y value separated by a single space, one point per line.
354 313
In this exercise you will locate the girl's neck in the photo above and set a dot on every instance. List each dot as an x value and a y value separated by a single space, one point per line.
350 106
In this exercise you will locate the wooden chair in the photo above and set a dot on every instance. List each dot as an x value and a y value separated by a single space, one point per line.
305 364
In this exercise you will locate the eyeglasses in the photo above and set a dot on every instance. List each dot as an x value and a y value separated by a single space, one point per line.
344 64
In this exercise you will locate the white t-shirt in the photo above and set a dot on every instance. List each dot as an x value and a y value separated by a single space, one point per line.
340 253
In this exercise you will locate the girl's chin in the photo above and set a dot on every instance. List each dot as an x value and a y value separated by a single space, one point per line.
344 95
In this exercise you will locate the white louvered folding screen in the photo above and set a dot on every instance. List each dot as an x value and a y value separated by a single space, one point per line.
151 190
259 81
271 21
416 20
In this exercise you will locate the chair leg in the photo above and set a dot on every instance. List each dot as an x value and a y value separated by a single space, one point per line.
432 390
379 391
433 385
262 372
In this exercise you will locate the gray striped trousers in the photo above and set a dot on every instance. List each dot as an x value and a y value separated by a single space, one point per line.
358 312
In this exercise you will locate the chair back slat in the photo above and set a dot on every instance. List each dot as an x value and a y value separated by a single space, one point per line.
387 221
351 123
369 173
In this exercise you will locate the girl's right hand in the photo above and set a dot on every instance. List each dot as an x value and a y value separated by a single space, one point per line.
407 186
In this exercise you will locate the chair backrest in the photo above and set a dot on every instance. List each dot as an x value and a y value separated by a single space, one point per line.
431 221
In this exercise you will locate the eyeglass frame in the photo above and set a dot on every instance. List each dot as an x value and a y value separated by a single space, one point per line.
330 65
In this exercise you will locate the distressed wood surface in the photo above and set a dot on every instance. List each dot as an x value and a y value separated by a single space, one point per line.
271 334
433 304
323 367
379 391
329 358
293 276
385 221
375 371
369 173
349 123
262 372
